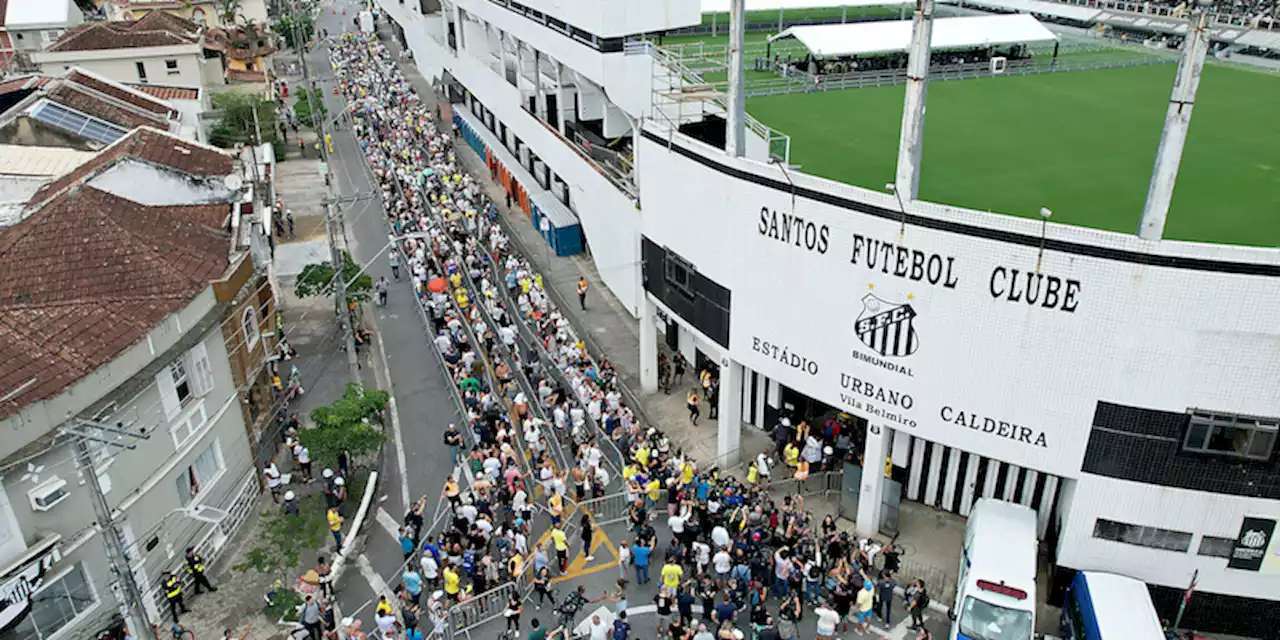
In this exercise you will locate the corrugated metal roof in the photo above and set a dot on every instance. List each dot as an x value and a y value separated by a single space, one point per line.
16 160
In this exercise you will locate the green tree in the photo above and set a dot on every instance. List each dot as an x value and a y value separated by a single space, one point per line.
318 280
302 106
347 424
229 12
236 124
290 24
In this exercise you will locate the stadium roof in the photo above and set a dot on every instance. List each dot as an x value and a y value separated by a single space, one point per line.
889 36
722 6
1041 8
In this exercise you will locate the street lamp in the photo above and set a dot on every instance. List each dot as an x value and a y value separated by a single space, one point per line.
1045 214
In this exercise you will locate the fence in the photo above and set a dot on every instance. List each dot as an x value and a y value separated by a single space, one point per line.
607 509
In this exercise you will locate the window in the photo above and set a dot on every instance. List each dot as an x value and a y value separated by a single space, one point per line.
201 474
171 67
142 71
1141 536
188 426
190 375
680 275
1231 435
56 604
249 323
1216 547
181 384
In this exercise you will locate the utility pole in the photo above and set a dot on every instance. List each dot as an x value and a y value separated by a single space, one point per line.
911 142
130 595
332 215
736 136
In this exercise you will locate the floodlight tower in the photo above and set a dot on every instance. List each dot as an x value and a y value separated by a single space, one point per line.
911 143
736 137
1176 123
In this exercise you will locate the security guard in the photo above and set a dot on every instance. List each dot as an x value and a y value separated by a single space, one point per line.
173 593
195 567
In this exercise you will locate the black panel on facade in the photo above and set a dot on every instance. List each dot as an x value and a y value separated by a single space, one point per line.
675 282
1219 613
1146 445
712 129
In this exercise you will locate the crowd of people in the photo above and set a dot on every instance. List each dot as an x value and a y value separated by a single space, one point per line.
547 432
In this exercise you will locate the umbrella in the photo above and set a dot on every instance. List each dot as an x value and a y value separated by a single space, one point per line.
438 285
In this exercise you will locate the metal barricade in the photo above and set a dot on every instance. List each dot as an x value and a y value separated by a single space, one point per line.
606 509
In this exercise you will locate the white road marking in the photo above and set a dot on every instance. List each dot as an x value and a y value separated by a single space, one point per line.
397 440
388 523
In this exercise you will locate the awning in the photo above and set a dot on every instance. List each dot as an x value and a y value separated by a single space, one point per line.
890 36
722 6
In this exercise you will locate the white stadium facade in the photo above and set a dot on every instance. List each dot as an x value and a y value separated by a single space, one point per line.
1127 389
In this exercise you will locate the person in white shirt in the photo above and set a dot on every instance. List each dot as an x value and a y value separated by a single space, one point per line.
828 618
723 563
762 466
701 555
720 537
386 624
303 456
624 558
430 569
676 524
597 629
274 481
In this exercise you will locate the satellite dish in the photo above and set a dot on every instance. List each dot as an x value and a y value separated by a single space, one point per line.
233 182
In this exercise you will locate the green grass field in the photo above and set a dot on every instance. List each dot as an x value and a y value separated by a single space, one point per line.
1081 143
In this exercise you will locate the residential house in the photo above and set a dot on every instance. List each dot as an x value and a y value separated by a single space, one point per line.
129 301
157 48
33 25
82 111
247 49
204 12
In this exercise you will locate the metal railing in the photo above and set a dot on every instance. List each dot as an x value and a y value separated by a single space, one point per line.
607 509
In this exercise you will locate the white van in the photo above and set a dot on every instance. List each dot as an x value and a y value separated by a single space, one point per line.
996 589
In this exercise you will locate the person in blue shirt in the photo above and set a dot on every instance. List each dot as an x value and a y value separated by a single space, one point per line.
640 555
412 583
725 611
406 542
621 627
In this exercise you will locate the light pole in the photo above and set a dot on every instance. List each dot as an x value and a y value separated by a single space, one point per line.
1045 214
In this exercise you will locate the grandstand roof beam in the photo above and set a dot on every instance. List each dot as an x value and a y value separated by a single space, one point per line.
1177 121
911 142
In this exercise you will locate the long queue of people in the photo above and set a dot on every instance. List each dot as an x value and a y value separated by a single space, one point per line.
769 559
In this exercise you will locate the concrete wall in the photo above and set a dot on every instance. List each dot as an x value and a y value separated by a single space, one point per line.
143 483
1195 512
121 64
802 276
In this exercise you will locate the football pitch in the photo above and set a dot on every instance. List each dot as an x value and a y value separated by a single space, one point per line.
1081 143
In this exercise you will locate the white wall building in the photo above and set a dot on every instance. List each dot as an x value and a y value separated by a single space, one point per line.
1127 390
158 48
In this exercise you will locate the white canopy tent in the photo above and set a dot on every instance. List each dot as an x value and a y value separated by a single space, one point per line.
722 6
891 36
1041 8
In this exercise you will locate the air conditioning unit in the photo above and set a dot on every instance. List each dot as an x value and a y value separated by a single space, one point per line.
49 494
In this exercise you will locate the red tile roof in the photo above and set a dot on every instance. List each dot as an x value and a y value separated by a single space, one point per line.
89 274
24 82
4 9
118 92
156 29
148 145
87 103
167 93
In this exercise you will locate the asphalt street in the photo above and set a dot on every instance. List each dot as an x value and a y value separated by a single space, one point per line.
415 463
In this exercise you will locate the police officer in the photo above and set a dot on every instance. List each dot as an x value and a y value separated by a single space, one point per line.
173 593
195 567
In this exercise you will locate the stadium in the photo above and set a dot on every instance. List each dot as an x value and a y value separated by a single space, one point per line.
1003 332
1080 141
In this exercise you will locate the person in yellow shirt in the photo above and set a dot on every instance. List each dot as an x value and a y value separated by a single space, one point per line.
556 505
642 456
753 473
335 527
452 584
791 454
654 490
686 472
561 543
384 606
452 493
672 574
